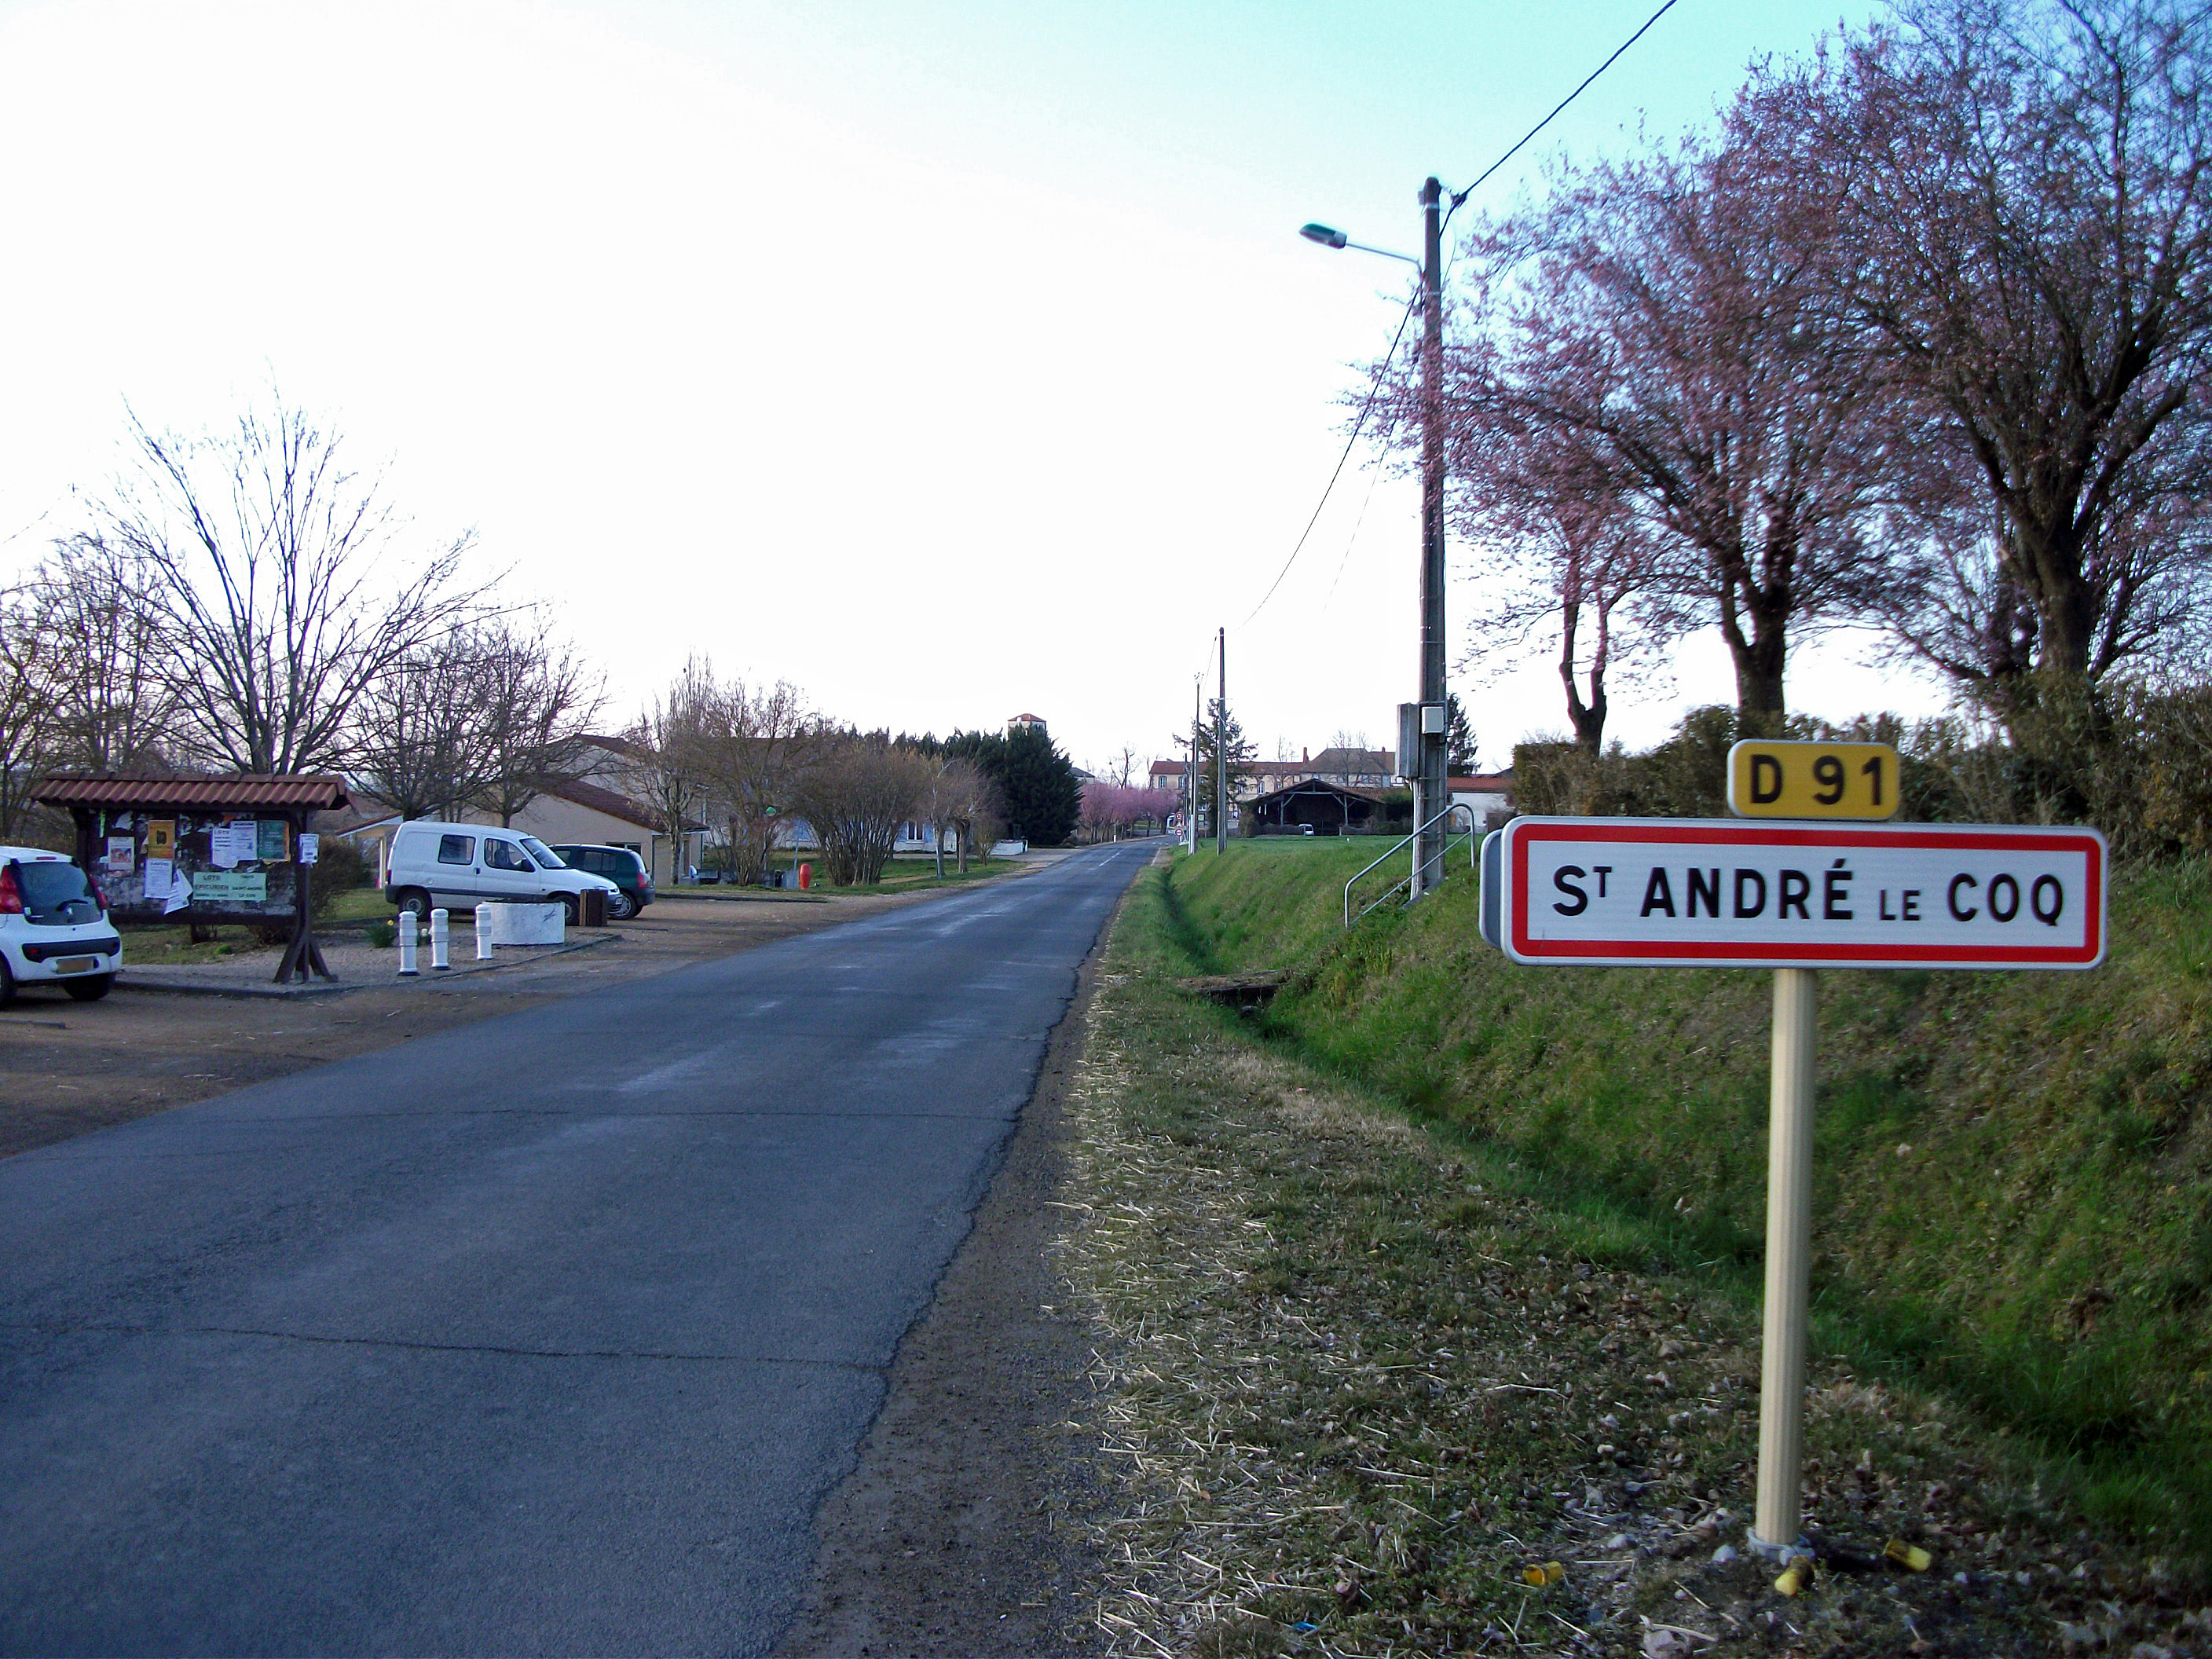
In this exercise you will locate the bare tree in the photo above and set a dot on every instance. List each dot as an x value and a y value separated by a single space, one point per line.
752 743
2028 246
1665 315
857 796
540 700
29 646
277 579
421 737
1578 557
671 734
959 795
964 799
110 687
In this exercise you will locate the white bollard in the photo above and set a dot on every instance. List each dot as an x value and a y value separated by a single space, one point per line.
405 922
439 939
483 932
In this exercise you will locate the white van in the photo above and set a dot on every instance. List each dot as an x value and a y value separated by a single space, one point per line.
459 866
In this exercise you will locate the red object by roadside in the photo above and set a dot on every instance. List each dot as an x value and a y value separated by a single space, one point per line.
806 877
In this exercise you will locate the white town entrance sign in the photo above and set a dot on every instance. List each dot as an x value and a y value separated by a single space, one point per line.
1691 892
1793 896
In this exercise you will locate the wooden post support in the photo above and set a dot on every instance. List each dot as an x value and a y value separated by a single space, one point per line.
1789 1261
303 957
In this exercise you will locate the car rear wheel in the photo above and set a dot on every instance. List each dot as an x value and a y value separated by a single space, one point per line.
412 898
620 907
570 907
90 990
7 983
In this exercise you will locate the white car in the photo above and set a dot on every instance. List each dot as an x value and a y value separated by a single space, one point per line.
457 865
54 926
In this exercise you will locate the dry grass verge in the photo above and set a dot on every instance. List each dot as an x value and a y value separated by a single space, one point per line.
1354 1380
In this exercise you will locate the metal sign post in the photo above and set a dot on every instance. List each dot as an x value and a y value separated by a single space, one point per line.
1796 897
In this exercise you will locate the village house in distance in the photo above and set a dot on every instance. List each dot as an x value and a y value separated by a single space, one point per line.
1335 790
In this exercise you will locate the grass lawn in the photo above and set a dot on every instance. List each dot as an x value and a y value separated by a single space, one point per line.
904 873
358 904
169 946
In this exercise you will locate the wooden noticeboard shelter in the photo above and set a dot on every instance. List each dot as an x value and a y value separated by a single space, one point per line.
204 849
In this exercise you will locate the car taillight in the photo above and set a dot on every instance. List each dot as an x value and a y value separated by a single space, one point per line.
11 896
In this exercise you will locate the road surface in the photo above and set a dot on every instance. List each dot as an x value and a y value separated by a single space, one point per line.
542 1335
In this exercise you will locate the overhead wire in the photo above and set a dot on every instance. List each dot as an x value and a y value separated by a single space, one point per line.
1374 389
1460 197
1375 386
1352 540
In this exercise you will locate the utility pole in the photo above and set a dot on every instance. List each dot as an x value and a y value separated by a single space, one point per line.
1221 747
1421 725
1432 789
1190 772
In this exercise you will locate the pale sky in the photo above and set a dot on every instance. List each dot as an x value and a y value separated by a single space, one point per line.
951 360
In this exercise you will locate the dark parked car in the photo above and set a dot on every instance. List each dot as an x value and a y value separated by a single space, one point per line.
619 865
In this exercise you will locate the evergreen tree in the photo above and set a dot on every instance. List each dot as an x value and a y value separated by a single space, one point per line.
1042 796
1240 750
1459 739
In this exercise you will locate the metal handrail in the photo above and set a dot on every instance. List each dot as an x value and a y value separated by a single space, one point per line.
1473 848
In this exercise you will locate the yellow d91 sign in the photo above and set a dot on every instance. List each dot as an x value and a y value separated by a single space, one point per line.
1812 780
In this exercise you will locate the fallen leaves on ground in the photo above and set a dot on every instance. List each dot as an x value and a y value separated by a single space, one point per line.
1353 1386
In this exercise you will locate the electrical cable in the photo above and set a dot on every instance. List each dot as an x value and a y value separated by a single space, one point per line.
1374 387
1352 541
1458 199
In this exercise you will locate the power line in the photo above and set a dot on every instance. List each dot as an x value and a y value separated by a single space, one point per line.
1376 386
1342 564
1461 196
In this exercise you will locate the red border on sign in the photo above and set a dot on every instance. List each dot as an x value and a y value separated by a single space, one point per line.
1720 832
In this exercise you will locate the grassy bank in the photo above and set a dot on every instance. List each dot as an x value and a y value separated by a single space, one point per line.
2014 1170
1357 1375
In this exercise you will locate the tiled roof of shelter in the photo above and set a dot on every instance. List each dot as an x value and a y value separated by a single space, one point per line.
228 792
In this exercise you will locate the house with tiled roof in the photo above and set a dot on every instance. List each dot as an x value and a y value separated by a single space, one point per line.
1369 769
599 806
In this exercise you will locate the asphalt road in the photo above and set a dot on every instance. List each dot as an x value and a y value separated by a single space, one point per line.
546 1335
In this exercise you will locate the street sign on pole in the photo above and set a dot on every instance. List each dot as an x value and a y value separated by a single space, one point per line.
1796 897
1812 780
1715 892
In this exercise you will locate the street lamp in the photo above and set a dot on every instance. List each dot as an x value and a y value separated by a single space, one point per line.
1432 790
1329 237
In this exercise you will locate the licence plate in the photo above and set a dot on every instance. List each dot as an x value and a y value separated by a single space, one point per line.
76 964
